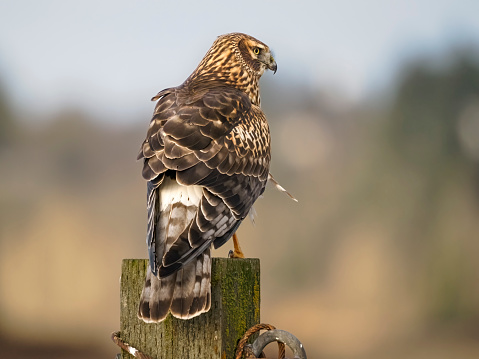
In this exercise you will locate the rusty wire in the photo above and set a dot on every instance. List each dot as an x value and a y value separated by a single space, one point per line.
125 346
242 348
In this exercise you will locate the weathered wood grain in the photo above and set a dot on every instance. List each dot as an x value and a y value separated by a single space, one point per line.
235 307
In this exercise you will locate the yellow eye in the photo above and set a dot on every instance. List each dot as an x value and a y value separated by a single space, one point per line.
256 50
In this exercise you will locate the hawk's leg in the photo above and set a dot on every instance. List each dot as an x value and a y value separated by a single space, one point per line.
237 253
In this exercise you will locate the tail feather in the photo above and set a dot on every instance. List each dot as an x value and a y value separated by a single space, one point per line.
156 297
178 277
186 293
197 287
184 290
202 287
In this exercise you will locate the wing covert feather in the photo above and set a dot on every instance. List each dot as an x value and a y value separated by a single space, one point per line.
219 141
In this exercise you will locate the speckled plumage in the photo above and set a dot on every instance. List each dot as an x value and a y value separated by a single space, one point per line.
206 159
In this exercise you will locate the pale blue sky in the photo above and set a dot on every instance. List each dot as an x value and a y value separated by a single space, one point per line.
109 57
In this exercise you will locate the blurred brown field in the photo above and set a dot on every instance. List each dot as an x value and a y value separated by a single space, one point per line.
379 259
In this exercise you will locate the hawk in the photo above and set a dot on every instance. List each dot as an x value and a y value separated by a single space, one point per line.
206 160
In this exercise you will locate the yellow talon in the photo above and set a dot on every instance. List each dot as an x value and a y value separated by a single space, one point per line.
237 253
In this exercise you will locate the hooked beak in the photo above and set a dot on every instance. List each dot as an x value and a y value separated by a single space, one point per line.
272 64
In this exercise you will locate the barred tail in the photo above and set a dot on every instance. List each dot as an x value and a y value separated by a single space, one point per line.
186 293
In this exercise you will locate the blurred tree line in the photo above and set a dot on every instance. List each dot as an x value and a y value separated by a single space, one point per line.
433 132
7 121
410 167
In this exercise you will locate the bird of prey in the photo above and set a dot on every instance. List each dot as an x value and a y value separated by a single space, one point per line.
206 160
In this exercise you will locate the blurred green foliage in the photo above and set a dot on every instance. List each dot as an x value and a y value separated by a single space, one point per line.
429 101
7 121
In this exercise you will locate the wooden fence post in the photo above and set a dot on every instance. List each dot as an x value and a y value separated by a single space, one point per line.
235 303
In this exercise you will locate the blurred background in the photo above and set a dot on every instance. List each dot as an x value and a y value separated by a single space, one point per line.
374 114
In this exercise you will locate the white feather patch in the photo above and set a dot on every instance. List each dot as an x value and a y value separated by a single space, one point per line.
252 214
173 192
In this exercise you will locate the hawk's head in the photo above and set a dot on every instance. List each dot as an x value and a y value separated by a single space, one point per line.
252 53
234 59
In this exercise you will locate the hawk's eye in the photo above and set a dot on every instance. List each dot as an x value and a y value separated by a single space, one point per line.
256 50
